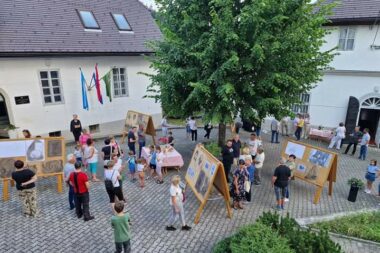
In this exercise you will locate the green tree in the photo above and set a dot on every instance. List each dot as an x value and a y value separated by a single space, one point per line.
224 57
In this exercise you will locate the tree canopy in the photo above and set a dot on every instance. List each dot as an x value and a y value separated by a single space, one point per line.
222 57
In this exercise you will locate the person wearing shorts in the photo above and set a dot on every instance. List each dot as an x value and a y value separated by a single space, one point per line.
92 159
113 175
280 179
371 175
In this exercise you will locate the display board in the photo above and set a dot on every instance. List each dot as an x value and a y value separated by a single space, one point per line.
45 156
313 165
204 172
136 119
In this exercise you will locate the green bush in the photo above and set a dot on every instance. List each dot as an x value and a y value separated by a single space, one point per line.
274 234
364 225
256 238
213 148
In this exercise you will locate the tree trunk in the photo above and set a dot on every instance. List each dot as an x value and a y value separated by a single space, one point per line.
222 134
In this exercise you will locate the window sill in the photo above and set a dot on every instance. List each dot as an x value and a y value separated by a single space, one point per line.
127 32
49 104
93 30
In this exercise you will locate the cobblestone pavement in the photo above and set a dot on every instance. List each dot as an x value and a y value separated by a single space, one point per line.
58 230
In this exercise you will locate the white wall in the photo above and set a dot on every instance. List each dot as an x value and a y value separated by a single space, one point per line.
362 57
20 76
329 100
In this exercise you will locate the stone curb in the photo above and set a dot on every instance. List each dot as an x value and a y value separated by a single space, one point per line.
304 222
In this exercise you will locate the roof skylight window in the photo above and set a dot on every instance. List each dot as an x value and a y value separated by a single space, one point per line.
121 22
88 20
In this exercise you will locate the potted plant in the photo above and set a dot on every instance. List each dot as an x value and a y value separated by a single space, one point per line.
356 184
11 129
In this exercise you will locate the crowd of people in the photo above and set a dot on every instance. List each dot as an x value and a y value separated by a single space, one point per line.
242 160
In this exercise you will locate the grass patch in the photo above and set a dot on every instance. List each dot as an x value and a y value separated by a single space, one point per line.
182 122
365 226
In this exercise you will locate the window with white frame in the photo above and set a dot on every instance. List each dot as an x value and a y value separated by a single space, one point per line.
51 87
346 38
120 82
303 106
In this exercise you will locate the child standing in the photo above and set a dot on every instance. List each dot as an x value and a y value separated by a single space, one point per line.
121 229
132 165
160 160
141 164
371 175
78 153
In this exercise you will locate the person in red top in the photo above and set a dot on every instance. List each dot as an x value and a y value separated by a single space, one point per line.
80 183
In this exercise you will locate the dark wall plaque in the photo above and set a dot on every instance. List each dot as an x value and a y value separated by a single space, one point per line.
22 100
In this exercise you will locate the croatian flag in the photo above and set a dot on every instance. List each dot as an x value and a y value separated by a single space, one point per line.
97 84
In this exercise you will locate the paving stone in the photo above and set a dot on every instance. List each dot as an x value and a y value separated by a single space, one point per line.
58 230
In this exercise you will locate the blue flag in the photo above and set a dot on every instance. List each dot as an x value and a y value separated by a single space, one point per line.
84 92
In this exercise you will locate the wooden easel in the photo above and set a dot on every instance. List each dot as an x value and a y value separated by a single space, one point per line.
7 182
325 174
217 179
134 119
48 157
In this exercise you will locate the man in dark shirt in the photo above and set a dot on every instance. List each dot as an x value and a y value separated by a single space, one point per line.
227 158
132 140
26 188
76 127
280 179
107 152
79 181
354 140
236 146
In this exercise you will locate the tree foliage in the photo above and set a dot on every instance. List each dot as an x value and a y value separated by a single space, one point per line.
222 57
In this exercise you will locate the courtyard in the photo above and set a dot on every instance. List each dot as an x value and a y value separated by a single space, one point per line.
58 230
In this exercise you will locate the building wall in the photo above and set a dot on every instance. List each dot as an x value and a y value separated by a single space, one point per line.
329 99
20 76
355 73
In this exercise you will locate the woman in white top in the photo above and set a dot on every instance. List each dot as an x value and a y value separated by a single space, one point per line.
91 156
340 134
112 176
176 203
193 129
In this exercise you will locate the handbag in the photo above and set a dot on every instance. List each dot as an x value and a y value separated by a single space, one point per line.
247 185
108 182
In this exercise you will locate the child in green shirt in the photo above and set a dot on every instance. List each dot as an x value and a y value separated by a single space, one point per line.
120 225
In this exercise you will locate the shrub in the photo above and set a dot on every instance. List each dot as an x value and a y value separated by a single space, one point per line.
356 182
213 148
273 233
256 238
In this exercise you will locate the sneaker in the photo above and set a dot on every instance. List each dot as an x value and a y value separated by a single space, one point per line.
89 218
277 208
367 191
170 228
286 200
186 228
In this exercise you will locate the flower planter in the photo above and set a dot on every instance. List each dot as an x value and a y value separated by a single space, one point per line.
353 193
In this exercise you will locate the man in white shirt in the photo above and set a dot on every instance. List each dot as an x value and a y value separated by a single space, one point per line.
193 129
253 144
340 134
364 144
259 162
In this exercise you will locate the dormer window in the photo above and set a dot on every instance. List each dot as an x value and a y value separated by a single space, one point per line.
121 22
88 20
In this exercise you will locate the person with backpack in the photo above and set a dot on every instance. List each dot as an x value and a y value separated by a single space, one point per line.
112 184
79 181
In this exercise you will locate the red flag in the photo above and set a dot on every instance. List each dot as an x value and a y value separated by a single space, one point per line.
97 84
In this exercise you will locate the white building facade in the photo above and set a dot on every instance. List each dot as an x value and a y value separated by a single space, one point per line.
40 81
350 92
